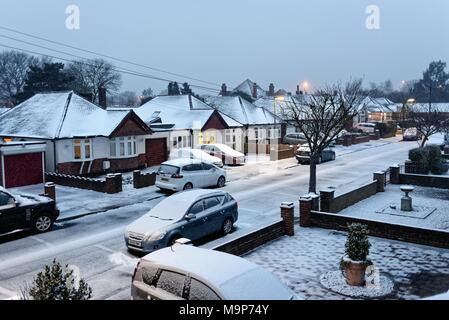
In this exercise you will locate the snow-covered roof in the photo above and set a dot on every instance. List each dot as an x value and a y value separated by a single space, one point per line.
247 87
377 105
59 115
241 110
436 106
283 103
183 111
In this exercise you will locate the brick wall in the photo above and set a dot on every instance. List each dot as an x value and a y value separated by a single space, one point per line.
381 229
282 151
112 184
252 240
424 180
143 180
346 200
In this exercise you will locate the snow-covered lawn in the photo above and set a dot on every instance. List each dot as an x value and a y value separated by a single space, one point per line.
431 206
299 261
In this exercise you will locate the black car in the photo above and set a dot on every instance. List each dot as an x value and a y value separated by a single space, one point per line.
303 155
26 212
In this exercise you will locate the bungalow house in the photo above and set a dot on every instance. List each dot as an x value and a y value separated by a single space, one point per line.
260 126
80 138
375 110
183 121
251 89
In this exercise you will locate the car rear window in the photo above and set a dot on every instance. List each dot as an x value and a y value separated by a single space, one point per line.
5 199
171 282
199 291
166 169
150 275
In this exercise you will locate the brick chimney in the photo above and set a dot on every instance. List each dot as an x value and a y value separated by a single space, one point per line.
254 93
224 90
88 96
271 90
298 90
102 97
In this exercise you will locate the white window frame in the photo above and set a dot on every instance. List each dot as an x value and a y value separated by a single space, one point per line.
128 144
182 142
83 143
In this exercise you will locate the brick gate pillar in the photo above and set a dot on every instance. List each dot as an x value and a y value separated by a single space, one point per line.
380 177
305 206
50 190
394 174
326 198
287 214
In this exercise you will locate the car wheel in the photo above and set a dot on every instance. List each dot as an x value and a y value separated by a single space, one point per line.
42 223
221 182
188 186
228 225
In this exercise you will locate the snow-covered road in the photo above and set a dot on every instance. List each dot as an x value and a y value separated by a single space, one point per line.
95 243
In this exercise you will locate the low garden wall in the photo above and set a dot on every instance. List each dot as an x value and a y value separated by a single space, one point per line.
381 229
112 183
252 240
143 180
282 151
424 180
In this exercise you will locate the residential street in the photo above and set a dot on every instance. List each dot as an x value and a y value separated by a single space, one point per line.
95 245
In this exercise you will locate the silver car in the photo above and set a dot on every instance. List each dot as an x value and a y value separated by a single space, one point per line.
184 272
191 214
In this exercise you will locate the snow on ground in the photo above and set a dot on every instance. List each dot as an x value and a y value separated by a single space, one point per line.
299 261
431 198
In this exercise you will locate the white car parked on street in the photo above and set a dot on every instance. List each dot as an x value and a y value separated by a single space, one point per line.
223 152
365 127
184 272
185 174
196 154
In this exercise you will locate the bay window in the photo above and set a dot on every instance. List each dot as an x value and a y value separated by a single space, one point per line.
123 147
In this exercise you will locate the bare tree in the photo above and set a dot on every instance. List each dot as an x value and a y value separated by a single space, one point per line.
90 75
427 119
14 67
322 117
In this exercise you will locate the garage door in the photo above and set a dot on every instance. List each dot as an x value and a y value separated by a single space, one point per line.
156 151
23 169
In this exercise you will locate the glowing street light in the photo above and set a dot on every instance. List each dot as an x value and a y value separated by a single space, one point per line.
305 86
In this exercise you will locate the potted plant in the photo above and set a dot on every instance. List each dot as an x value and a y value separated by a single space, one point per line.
355 261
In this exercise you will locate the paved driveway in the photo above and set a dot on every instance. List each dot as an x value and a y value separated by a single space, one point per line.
417 271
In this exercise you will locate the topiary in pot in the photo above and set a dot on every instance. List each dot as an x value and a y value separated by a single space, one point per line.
355 261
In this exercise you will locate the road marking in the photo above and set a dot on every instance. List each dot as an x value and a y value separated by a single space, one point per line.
48 244
102 247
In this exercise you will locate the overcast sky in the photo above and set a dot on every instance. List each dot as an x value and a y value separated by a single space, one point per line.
282 41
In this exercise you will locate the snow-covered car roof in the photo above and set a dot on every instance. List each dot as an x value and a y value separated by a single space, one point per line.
234 277
227 149
197 153
181 162
176 206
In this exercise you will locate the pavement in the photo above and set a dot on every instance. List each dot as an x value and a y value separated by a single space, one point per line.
94 243
299 261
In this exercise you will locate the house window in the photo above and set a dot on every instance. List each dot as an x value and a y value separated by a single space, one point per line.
82 149
181 142
123 147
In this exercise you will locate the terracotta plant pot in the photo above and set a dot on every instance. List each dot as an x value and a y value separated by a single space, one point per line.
355 273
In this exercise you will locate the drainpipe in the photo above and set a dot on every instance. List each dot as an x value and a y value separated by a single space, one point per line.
54 156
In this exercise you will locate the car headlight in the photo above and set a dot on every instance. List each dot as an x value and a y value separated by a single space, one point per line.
156 236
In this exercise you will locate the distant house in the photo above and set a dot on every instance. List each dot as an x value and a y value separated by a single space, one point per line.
251 89
375 110
183 121
81 138
260 126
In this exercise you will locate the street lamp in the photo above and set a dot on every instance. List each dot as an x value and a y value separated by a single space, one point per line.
305 86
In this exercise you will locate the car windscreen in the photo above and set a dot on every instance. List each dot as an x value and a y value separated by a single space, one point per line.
166 169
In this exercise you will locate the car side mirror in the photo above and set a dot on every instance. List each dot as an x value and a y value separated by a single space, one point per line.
190 216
